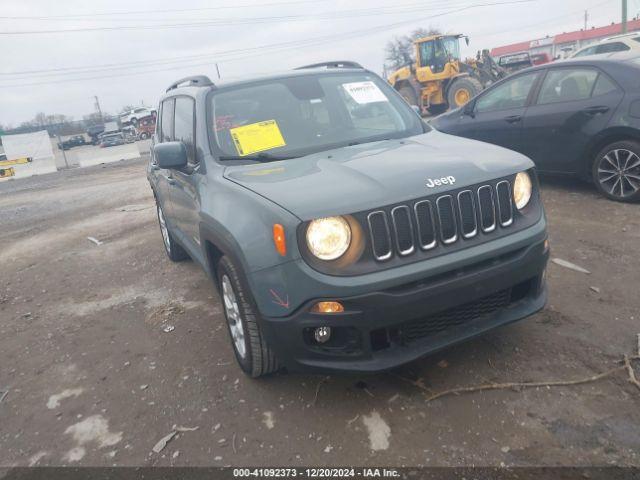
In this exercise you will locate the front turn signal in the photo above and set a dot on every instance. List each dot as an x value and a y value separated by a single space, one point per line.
279 239
327 307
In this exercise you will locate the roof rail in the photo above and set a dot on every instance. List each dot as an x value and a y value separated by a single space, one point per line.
195 81
334 64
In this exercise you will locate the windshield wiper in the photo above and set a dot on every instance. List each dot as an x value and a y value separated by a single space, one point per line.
260 157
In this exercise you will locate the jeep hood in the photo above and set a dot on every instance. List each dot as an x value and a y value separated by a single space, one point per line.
363 177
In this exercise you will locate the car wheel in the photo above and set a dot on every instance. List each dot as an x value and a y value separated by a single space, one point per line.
174 251
144 136
616 171
249 345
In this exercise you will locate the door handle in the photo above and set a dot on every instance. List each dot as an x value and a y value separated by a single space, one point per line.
513 119
596 110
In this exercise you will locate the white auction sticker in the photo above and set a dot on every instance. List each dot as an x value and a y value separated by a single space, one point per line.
365 92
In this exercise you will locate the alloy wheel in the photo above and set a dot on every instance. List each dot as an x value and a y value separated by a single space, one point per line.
234 319
619 173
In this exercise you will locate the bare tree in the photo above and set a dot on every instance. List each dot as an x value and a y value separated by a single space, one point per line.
400 51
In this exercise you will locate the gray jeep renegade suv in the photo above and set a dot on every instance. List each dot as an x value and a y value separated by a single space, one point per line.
342 232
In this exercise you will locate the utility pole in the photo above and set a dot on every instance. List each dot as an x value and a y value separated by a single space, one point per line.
98 108
64 154
624 16
586 19
218 70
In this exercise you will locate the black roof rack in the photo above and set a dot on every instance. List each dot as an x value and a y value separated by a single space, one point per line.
195 81
334 64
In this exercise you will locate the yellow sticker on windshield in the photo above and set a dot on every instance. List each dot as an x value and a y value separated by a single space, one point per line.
257 137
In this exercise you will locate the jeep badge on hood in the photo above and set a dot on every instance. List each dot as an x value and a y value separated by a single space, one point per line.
437 182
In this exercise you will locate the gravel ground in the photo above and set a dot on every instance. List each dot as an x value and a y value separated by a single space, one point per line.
91 377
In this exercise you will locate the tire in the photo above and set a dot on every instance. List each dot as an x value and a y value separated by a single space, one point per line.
175 252
409 95
461 90
249 345
144 136
616 171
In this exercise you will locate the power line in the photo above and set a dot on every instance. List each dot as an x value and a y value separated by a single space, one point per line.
258 51
330 15
124 65
546 22
432 5
219 22
171 10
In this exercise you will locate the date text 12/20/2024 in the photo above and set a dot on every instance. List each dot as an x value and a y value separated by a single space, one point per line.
316 472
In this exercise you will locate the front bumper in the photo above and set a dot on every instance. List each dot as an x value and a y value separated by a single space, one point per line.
383 329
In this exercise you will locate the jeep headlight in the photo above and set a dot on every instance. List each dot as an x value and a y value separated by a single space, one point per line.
522 189
328 238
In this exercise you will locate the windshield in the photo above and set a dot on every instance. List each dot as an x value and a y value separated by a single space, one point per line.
296 116
452 46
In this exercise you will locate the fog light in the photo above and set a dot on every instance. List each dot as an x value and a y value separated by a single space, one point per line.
327 307
322 334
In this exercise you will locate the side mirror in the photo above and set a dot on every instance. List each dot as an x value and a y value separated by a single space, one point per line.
468 110
170 155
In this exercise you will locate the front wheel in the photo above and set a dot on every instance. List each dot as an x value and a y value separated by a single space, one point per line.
249 345
616 171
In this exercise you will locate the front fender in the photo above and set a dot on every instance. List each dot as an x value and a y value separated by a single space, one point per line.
239 223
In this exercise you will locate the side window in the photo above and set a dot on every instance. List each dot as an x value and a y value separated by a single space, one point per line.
567 85
158 124
612 47
426 54
603 86
585 52
185 125
511 94
166 123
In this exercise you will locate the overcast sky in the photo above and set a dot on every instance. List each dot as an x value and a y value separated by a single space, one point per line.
126 64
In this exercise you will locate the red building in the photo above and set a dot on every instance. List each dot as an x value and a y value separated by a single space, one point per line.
564 44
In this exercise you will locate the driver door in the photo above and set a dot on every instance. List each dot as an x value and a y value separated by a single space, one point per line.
498 113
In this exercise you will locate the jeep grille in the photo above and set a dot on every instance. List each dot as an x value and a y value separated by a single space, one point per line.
446 219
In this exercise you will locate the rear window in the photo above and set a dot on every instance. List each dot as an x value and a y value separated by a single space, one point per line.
603 86
567 84
612 47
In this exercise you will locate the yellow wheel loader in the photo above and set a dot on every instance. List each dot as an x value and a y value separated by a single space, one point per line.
438 79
